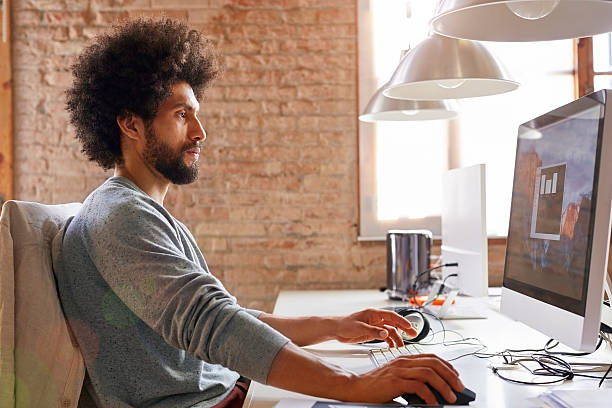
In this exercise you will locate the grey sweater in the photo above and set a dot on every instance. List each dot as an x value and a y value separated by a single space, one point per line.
155 327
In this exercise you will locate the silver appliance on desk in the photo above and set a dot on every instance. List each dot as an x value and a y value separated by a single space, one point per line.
408 254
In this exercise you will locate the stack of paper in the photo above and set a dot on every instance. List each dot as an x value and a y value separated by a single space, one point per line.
596 398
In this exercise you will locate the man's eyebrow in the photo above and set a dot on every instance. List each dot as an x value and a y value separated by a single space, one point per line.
185 105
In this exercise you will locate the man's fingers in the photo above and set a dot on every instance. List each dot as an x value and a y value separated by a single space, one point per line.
394 339
390 318
430 376
433 356
420 389
434 363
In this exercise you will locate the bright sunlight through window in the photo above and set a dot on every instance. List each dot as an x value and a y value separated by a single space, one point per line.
410 157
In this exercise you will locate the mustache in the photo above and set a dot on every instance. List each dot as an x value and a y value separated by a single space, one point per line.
190 146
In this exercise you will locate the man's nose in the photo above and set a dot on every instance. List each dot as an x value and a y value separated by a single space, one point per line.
198 132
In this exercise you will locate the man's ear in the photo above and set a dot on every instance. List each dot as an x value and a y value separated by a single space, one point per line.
131 125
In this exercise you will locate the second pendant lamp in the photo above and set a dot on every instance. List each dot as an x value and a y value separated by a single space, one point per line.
447 68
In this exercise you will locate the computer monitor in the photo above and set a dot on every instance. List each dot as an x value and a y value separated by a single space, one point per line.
464 230
559 231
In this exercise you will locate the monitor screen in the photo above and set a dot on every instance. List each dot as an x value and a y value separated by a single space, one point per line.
553 205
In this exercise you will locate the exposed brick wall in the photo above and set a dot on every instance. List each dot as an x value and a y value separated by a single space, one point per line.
276 206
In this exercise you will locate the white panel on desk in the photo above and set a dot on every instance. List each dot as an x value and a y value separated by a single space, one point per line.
464 229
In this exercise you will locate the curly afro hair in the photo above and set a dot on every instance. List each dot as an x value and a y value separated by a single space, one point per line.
131 71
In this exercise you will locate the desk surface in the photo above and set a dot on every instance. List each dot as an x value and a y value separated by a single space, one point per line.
497 332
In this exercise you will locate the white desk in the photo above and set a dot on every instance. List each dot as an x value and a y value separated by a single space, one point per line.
497 332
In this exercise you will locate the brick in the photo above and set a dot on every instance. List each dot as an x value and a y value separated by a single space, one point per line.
262 153
251 260
308 228
337 168
318 76
338 138
325 3
314 258
264 245
231 137
228 229
324 153
249 275
278 122
229 15
293 137
326 45
301 168
144 13
207 213
26 18
319 275
186 4
233 108
222 168
329 213
64 17
314 183
265 213
335 30
61 79
337 15
261 92
262 32
266 183
322 92
260 61
314 61
326 122
210 244
124 4
237 123
300 16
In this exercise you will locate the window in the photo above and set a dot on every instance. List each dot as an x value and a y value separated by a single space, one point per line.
401 163
602 61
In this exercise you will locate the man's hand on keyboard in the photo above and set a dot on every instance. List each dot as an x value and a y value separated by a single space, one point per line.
373 324
407 375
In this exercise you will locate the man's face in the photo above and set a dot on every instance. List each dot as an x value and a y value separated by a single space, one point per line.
173 137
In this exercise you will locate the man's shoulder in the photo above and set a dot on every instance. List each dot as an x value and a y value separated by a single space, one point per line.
116 201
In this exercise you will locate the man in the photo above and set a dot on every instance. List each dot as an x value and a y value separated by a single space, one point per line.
155 326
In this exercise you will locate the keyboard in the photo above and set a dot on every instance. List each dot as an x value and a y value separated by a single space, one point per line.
380 356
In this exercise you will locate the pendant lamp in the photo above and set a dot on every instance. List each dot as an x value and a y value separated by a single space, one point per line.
447 68
522 20
381 108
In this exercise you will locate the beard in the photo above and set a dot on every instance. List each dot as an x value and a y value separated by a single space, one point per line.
168 162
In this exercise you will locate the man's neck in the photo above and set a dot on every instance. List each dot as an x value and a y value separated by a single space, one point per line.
152 184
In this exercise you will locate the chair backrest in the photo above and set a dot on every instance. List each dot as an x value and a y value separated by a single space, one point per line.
40 363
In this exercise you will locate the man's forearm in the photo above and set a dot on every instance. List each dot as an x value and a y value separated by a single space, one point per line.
302 331
298 370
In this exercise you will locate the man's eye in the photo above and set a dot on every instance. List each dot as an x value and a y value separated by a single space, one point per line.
182 114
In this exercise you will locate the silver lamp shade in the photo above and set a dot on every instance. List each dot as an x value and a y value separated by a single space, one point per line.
447 68
381 108
522 20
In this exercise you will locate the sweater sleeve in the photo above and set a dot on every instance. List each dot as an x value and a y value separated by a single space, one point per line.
138 253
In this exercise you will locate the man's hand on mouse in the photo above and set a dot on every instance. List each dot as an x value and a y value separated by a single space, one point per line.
373 324
408 375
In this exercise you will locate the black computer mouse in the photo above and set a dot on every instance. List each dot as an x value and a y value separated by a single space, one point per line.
463 397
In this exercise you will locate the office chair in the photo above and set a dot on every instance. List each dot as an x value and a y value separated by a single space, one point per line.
40 362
